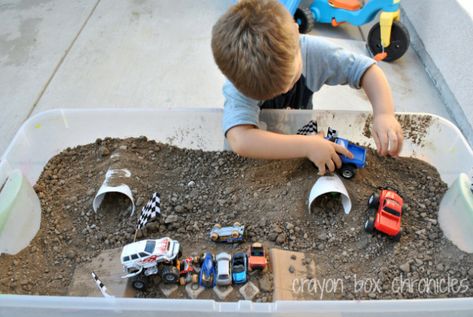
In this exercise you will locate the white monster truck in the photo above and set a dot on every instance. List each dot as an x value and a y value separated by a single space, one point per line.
148 257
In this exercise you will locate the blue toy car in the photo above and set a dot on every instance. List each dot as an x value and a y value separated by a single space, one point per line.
230 234
207 271
349 166
240 268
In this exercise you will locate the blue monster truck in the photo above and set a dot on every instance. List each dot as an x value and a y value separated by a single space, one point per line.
349 166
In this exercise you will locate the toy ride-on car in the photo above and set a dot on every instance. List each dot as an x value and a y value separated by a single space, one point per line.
349 166
384 213
387 40
149 257
230 234
257 257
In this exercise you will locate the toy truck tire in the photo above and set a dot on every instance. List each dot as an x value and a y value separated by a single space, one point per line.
235 234
399 41
138 284
214 237
369 224
397 237
304 18
170 274
347 171
373 201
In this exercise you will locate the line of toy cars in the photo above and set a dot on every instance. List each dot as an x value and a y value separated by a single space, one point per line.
162 257
224 269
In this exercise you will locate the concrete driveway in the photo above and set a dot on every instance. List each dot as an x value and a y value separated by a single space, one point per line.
144 53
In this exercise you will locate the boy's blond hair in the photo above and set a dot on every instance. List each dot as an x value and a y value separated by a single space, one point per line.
255 45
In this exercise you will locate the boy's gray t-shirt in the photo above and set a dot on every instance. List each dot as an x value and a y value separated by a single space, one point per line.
323 63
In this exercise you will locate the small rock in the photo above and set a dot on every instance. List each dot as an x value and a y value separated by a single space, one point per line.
171 219
289 226
103 151
265 284
406 267
281 238
191 184
292 269
293 257
272 236
70 254
139 201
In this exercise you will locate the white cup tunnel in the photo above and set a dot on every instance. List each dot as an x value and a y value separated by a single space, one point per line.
330 184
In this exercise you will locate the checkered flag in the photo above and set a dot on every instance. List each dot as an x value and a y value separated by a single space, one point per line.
101 286
150 211
309 128
331 134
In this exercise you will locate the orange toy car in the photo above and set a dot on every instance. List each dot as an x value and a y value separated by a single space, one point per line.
257 257
384 213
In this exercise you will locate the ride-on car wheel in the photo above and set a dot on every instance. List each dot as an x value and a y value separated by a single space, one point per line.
304 19
235 234
398 45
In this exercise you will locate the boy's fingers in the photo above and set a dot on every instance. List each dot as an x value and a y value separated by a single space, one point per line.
376 141
321 168
336 159
340 149
331 166
400 138
384 142
393 143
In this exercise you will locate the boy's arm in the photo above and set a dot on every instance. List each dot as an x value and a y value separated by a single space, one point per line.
387 131
249 141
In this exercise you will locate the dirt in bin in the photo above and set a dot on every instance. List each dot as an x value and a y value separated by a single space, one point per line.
199 189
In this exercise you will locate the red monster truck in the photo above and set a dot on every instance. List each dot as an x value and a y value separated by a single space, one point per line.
384 213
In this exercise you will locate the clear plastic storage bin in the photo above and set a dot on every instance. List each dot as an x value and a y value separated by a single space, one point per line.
431 139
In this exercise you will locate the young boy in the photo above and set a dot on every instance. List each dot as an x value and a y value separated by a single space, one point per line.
257 46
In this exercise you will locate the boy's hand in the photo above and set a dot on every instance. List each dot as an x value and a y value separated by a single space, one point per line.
324 153
387 134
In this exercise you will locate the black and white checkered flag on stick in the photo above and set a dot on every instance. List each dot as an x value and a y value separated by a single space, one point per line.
101 286
309 128
150 210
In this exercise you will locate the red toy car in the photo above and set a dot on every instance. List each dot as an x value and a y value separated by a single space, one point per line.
384 213
257 257
187 271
